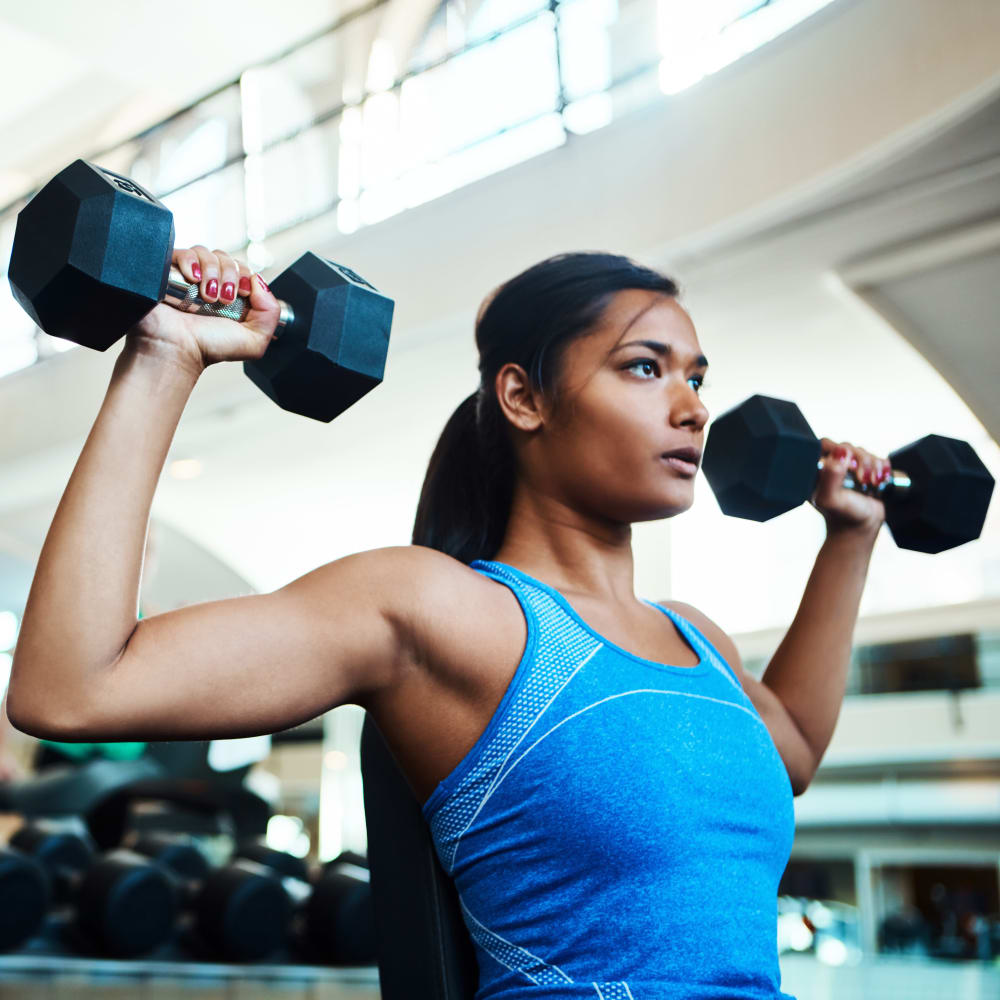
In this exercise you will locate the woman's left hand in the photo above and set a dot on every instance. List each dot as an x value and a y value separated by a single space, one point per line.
843 508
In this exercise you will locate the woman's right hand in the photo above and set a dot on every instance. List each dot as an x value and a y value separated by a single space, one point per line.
197 341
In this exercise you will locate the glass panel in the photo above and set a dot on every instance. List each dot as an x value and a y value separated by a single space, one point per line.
463 101
585 45
294 180
635 91
211 211
183 148
293 92
459 23
634 38
482 159
699 39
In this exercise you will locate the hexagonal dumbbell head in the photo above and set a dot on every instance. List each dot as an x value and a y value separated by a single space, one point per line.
91 255
760 458
950 494
334 351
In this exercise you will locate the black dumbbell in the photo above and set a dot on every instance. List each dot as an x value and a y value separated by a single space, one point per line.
120 904
24 897
762 459
91 257
239 912
334 922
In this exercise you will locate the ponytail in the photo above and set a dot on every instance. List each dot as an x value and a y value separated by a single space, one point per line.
465 501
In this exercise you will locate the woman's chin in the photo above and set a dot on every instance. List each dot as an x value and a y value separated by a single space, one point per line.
663 510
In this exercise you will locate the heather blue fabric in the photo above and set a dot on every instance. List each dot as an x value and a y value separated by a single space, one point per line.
619 829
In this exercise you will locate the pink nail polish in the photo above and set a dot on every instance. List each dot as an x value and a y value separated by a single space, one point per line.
228 291
196 271
212 288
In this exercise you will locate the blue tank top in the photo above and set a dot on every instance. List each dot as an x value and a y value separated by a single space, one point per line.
619 829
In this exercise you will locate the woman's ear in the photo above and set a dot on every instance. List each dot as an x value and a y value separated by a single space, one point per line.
519 401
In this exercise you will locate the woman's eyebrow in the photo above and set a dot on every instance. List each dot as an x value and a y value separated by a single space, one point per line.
662 349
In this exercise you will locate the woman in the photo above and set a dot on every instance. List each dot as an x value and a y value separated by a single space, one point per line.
609 788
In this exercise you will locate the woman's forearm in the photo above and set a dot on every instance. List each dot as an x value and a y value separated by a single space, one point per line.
808 671
82 606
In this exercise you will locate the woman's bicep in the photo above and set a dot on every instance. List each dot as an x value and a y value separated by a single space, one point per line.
255 664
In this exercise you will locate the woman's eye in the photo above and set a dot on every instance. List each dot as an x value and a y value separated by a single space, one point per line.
644 365
648 367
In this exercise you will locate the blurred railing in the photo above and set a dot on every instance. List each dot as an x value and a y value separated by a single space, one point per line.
966 661
341 125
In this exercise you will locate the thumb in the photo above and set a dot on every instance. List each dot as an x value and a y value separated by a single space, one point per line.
264 310
831 475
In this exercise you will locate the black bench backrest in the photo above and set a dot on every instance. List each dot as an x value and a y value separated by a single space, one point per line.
425 952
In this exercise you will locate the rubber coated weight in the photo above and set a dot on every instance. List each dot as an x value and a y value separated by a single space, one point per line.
122 904
761 459
239 912
339 925
126 905
285 864
91 255
334 352
334 919
243 912
948 501
176 852
24 897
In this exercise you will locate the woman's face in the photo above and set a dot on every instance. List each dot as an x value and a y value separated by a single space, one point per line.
628 393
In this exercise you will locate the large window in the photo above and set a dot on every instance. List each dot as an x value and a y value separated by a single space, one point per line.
354 125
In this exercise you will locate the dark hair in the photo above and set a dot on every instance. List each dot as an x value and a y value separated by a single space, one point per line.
465 501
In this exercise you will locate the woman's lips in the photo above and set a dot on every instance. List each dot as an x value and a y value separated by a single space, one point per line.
686 468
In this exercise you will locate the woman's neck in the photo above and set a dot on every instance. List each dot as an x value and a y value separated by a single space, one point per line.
568 551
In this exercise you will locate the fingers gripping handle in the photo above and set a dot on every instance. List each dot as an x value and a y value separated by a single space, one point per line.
184 296
898 482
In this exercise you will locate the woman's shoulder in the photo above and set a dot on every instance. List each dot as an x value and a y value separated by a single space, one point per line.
465 635
440 602
417 565
709 629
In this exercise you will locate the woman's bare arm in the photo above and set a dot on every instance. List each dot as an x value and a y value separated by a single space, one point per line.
85 668
83 603
256 664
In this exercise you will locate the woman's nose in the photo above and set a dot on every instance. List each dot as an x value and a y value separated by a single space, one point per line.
687 407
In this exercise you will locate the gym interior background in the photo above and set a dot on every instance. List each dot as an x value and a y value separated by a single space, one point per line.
822 176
